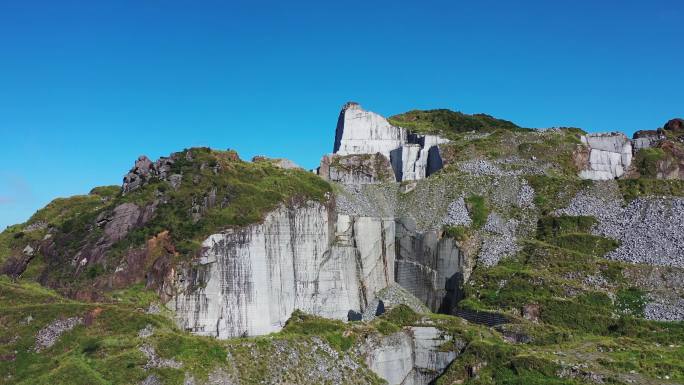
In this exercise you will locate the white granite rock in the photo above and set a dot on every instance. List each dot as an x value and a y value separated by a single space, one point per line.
392 358
609 155
363 132
413 356
250 280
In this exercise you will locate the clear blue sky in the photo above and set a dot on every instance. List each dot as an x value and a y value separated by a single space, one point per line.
87 86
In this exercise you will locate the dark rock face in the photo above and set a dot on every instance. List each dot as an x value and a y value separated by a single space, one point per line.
144 170
676 124
580 158
647 139
672 167
429 266
116 225
15 265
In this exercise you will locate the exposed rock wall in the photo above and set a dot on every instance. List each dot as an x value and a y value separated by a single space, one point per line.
360 132
429 266
646 139
364 132
249 280
413 356
610 155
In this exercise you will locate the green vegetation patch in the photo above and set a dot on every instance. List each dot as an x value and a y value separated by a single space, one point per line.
646 161
446 122
304 324
635 188
551 226
460 233
478 209
552 193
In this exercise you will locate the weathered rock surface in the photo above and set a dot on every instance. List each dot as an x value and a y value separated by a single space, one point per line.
144 170
356 168
250 280
115 226
413 356
430 266
610 155
362 132
646 139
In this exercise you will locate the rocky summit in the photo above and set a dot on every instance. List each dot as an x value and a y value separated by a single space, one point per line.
430 247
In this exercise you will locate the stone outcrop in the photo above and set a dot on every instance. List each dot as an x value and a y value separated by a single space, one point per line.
248 281
610 155
144 170
646 139
674 125
50 334
361 132
356 168
115 226
413 356
283 163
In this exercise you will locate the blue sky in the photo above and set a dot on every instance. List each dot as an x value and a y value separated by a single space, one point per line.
87 86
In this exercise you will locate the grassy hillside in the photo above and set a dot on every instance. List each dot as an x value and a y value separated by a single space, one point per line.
215 190
447 123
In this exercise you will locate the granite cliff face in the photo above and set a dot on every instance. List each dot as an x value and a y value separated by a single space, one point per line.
249 281
361 132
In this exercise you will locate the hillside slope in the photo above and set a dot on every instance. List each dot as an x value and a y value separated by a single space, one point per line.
432 247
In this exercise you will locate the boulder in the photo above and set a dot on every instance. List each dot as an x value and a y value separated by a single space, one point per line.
610 155
676 124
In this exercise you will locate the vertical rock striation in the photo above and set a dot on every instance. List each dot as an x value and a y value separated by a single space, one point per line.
361 132
429 266
414 356
248 281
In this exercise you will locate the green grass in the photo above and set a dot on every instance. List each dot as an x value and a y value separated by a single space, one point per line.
478 209
635 188
308 325
401 316
553 226
459 233
446 122
646 161
243 193
552 193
